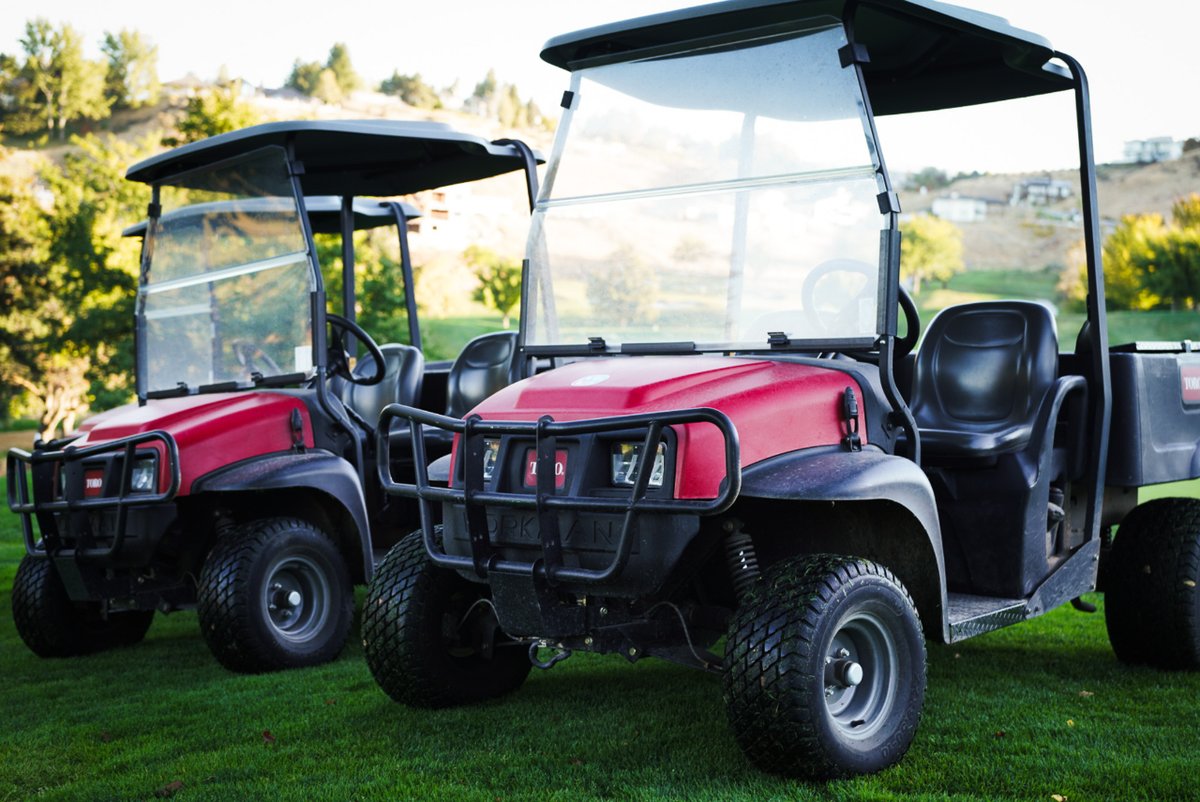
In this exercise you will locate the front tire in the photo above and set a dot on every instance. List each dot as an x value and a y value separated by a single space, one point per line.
431 638
275 594
1151 603
825 669
51 625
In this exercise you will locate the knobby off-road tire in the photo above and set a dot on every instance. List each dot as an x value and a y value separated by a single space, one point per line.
1151 602
811 628
275 594
421 629
53 626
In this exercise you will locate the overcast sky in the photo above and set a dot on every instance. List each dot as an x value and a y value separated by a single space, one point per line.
1140 57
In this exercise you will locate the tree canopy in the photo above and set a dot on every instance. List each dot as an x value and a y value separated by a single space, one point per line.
931 249
53 84
131 79
499 280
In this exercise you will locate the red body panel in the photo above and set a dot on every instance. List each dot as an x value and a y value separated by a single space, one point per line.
776 406
212 431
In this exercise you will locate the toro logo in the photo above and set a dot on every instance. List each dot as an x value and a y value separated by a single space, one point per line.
93 484
1189 376
560 468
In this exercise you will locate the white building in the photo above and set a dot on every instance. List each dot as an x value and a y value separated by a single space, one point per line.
960 208
1041 191
1155 149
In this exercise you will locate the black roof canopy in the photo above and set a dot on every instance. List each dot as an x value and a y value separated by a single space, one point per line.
352 157
924 54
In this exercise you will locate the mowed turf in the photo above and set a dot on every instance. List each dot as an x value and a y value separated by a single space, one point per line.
1027 713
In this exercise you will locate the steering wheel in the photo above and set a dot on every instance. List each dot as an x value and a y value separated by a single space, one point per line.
247 351
903 345
845 316
912 324
339 361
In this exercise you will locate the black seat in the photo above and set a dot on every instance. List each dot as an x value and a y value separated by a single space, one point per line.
981 377
401 383
485 364
987 399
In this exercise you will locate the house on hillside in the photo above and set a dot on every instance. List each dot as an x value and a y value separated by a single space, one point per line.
1040 191
1155 149
960 208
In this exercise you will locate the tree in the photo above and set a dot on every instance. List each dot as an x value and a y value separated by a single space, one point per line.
343 70
217 111
132 77
94 268
412 90
58 85
928 177
1185 212
328 89
1172 266
499 280
930 250
625 293
28 312
305 76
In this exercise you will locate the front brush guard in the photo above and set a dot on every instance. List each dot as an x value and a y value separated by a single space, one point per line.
474 497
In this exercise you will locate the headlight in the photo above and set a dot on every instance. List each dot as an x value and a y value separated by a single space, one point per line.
142 479
491 451
625 461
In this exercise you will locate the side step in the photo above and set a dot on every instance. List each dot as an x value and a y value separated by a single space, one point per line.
974 615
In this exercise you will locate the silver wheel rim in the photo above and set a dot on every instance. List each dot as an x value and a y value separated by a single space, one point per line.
296 598
861 675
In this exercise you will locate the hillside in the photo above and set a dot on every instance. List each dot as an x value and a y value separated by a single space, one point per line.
1027 237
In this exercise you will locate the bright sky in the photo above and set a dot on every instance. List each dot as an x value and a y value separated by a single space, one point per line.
1139 56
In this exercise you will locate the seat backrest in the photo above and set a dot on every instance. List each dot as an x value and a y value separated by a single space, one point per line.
404 367
982 372
485 365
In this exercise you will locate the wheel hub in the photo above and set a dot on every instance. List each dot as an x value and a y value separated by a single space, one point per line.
297 598
861 675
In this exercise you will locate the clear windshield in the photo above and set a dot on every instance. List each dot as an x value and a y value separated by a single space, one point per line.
714 196
227 293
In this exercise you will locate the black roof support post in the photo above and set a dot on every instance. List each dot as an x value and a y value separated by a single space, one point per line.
348 341
1100 381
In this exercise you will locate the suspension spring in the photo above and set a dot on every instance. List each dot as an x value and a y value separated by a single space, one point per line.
741 558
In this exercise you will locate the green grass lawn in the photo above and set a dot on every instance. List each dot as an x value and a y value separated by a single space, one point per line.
1123 325
1025 713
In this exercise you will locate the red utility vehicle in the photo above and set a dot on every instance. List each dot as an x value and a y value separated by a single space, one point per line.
725 454
244 479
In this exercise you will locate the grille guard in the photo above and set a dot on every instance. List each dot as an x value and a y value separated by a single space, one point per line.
544 500
20 494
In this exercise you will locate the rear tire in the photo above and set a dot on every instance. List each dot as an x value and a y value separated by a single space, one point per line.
1151 603
825 669
423 627
53 626
275 594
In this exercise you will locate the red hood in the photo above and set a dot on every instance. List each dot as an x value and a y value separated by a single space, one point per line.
776 406
211 430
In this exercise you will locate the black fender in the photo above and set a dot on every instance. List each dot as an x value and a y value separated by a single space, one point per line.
835 475
318 470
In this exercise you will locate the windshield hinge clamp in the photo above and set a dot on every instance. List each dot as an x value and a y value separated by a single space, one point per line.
853 54
778 339
889 203
597 344
154 210
567 99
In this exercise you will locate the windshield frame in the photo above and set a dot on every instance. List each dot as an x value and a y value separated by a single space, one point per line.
537 288
316 291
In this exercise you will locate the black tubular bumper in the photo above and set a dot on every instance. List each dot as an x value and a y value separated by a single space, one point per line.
46 466
544 432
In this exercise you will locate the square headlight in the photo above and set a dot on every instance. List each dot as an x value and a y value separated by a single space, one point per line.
625 462
144 475
491 452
